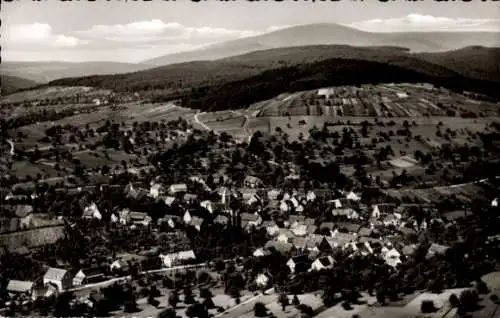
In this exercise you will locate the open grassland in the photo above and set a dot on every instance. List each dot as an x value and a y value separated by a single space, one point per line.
54 92
32 238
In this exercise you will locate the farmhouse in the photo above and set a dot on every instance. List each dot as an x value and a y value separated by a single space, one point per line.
92 212
323 262
207 205
88 275
20 287
140 218
59 277
177 188
178 258
300 263
252 182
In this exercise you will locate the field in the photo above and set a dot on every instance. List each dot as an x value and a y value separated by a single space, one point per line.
54 92
32 238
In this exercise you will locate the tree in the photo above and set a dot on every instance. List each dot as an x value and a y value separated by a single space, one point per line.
481 287
427 307
295 300
205 293
260 310
173 299
283 300
188 296
454 301
168 313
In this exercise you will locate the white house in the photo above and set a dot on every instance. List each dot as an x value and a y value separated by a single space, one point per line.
20 287
207 204
284 206
260 252
494 202
177 188
169 200
300 260
187 217
353 196
272 229
156 190
310 196
262 280
375 212
294 202
299 229
392 257
59 277
320 263
92 212
173 259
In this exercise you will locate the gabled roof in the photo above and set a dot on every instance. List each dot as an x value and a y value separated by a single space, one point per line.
138 215
326 260
281 247
55 273
196 221
386 208
250 217
304 258
350 227
186 254
221 219
19 286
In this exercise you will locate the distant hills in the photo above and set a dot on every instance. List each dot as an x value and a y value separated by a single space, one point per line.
11 84
43 72
330 33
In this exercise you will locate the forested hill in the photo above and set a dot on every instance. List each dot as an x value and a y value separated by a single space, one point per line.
11 84
179 77
331 72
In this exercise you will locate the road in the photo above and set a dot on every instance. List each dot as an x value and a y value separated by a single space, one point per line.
239 310
202 124
11 146
245 123
89 287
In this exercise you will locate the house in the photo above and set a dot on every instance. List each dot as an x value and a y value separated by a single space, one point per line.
221 219
348 226
170 220
251 219
347 212
283 248
92 212
273 194
207 205
392 257
177 188
197 222
353 196
187 217
494 202
135 192
382 209
24 213
140 218
262 280
272 228
124 216
156 190
408 250
390 219
44 291
252 182
169 200
225 194
436 249
189 197
59 277
173 259
341 203
286 206
324 262
260 252
310 196
251 197
285 235
86 276
299 229
310 242
120 265
300 263
20 287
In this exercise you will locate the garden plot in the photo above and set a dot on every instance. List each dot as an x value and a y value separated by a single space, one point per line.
403 162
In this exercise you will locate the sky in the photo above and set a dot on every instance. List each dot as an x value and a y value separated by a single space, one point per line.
135 31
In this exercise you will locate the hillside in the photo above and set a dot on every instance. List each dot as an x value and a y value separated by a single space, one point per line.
43 72
333 72
11 84
186 76
474 61
328 34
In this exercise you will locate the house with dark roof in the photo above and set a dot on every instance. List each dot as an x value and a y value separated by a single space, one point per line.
140 218
299 264
59 277
324 262
252 182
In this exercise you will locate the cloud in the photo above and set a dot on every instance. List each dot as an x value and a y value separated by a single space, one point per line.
418 22
157 31
38 35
